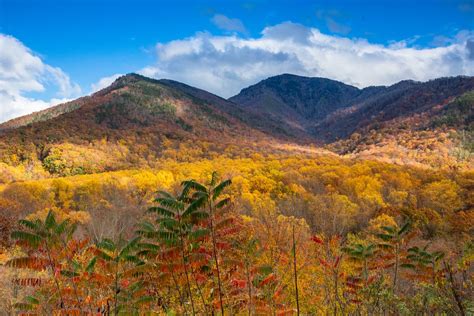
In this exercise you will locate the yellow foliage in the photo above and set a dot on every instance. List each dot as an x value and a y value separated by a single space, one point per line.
367 189
376 224
80 217
442 196
333 195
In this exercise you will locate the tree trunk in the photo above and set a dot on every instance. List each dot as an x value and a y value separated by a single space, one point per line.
51 264
187 274
214 249
249 286
395 274
453 290
295 274
116 289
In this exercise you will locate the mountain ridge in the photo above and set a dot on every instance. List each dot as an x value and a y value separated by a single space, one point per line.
133 77
142 115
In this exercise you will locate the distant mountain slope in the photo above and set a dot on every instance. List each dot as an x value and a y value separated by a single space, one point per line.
138 120
255 120
440 136
131 101
329 110
260 121
43 115
403 99
125 125
395 123
295 101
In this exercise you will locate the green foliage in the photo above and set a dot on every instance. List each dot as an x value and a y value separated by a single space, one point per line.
54 163
216 246
192 256
458 114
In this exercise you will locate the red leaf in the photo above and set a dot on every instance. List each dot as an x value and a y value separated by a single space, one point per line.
317 240
239 283
268 279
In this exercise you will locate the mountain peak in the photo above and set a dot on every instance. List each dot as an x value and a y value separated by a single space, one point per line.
287 107
296 100
129 78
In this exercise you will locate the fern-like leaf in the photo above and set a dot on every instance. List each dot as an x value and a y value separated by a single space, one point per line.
50 221
222 203
130 246
91 265
194 206
30 238
29 224
172 204
32 263
219 188
161 211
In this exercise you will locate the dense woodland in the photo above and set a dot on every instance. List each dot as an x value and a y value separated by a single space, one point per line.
138 120
155 198
442 137
368 238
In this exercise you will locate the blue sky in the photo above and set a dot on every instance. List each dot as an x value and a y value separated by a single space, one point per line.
92 40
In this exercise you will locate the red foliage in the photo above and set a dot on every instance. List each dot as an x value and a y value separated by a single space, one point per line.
317 240
239 283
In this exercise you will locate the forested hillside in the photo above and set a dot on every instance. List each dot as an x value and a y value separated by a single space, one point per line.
400 124
128 125
368 237
440 136
138 120
300 196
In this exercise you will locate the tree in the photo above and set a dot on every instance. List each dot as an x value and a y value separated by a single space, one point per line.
209 196
393 239
361 253
442 196
424 262
117 257
295 273
47 242
177 220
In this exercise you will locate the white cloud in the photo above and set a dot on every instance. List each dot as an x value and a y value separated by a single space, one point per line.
228 24
16 105
104 82
21 71
226 64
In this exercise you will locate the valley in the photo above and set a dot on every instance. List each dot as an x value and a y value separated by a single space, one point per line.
365 195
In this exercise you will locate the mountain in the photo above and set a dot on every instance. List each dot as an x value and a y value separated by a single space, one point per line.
404 99
134 100
43 115
298 102
329 110
137 121
132 123
200 98
259 121
395 123
440 136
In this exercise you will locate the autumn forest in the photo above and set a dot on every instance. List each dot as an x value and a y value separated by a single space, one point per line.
299 196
